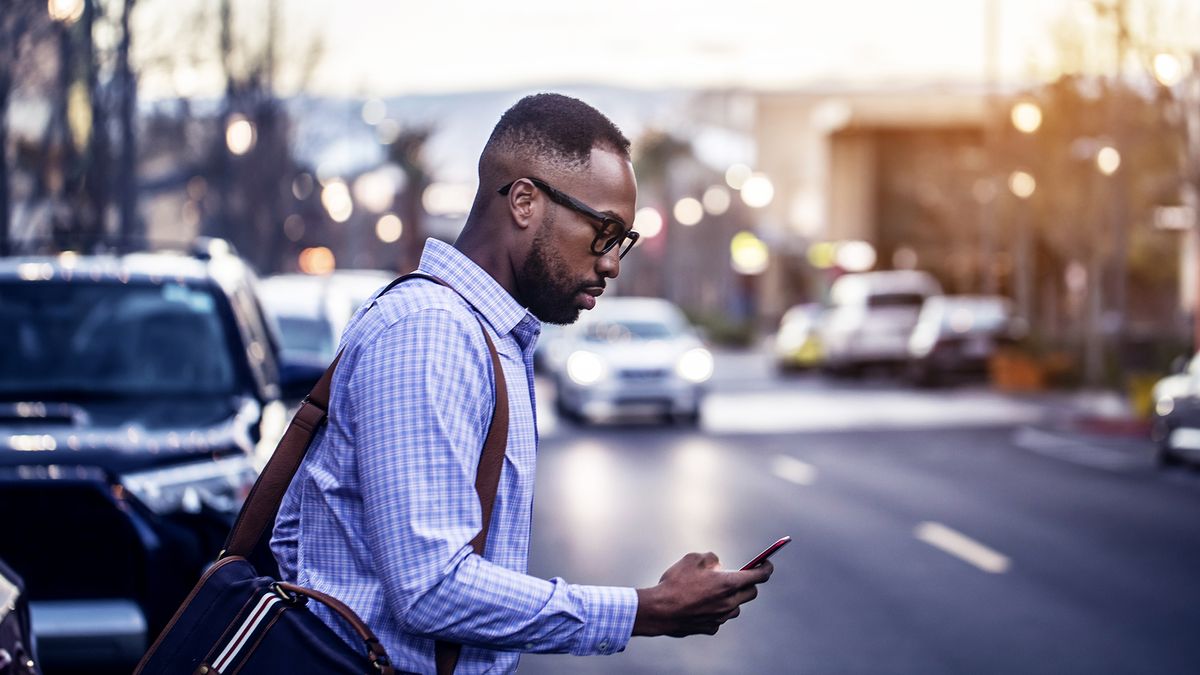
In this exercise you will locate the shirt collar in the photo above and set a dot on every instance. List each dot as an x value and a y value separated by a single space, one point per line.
489 298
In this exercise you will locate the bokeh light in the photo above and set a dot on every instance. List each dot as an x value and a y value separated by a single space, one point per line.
67 11
688 211
716 200
373 111
1022 184
1168 69
1108 160
389 228
240 134
736 175
856 256
1026 117
748 254
317 260
335 197
648 222
758 191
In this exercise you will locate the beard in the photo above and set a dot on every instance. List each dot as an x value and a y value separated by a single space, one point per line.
547 284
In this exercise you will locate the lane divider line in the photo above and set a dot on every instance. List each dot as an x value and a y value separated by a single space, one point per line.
962 547
793 470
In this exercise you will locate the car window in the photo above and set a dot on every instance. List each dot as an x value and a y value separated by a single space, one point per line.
913 300
113 339
975 316
628 331
308 336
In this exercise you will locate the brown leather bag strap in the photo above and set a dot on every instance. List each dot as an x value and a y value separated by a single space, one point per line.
487 482
375 650
259 511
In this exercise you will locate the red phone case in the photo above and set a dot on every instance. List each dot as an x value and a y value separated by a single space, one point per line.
767 553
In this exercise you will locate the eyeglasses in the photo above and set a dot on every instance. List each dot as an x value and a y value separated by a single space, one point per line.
612 230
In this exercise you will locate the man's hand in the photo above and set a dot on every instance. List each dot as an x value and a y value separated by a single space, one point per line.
695 596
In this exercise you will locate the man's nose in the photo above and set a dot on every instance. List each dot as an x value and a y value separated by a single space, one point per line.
609 264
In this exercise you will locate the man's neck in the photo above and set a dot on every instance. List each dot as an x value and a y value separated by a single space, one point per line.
475 244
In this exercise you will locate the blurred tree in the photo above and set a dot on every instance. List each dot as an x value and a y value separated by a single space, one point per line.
407 151
657 158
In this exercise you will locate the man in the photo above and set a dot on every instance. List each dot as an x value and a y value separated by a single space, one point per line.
382 511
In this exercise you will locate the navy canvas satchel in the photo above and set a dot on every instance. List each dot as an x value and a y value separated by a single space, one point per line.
237 620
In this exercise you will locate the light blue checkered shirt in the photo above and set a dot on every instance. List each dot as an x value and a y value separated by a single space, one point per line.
383 509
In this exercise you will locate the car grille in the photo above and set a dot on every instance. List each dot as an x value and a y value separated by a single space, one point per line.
70 539
643 374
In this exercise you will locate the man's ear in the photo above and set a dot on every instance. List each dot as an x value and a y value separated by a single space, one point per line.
524 204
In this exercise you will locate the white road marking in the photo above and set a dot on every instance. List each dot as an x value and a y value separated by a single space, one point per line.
793 470
963 547
1075 450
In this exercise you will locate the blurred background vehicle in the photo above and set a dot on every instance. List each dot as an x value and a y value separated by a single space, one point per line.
311 311
956 335
139 398
871 318
1175 415
798 340
632 355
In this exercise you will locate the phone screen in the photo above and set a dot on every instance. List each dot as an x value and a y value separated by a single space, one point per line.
767 553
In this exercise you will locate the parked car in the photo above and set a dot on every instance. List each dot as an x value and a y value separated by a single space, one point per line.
956 335
798 341
871 318
139 398
632 354
311 311
1175 418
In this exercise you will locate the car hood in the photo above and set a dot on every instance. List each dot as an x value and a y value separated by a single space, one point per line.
125 435
640 354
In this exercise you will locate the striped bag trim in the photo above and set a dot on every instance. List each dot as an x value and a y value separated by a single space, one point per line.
241 637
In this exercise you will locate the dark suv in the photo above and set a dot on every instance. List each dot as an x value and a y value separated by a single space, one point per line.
139 397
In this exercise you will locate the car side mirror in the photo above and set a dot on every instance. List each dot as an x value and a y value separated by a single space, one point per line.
297 377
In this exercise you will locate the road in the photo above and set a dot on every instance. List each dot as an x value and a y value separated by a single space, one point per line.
935 532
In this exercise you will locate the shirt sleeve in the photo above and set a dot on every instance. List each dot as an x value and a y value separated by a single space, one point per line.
421 397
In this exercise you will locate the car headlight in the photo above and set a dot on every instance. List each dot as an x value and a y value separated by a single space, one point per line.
586 368
921 342
220 484
1164 405
696 365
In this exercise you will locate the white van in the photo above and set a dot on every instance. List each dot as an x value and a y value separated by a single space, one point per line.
872 316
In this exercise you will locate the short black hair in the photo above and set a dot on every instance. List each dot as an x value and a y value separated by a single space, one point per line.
554 128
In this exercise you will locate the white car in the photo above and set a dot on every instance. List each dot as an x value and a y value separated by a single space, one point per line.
872 316
310 311
632 355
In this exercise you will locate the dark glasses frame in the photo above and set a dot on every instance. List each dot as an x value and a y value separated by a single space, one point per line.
605 239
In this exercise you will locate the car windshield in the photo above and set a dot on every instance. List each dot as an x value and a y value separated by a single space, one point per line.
974 316
95 340
627 331
913 300
306 335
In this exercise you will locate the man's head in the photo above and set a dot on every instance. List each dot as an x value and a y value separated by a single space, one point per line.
556 187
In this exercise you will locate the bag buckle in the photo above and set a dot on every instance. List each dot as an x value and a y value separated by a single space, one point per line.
293 599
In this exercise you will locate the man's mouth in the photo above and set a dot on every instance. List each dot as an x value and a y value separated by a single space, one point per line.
587 296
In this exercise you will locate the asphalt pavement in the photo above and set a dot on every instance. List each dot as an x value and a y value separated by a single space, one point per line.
947 531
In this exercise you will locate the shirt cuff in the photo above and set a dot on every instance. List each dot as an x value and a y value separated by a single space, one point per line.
610 611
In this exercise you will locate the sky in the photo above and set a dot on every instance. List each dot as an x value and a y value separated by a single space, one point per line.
389 48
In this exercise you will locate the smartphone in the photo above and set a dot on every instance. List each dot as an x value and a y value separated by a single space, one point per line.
767 553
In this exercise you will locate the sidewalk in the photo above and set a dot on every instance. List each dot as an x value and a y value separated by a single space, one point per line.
1092 412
